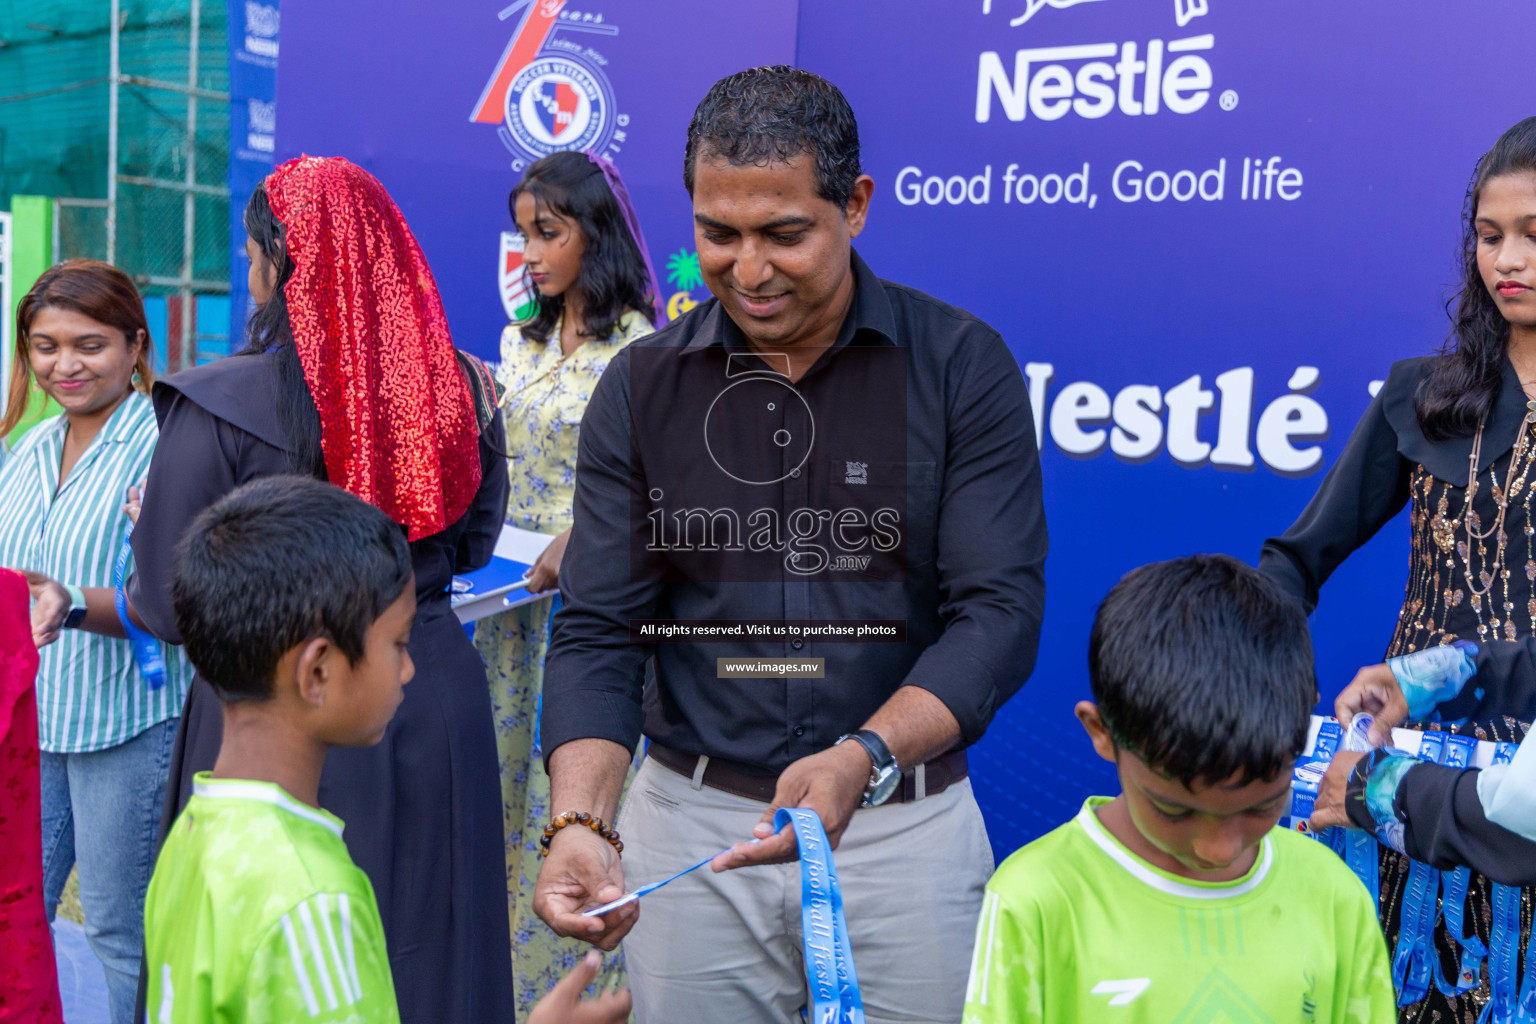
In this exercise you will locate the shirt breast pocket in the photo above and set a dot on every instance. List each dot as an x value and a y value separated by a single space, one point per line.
882 517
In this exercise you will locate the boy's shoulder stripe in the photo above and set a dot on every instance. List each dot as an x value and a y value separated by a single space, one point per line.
300 973
322 951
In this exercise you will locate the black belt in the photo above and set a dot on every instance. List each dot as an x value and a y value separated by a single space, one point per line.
755 784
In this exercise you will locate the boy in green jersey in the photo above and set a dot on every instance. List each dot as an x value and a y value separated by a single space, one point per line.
295 601
1178 901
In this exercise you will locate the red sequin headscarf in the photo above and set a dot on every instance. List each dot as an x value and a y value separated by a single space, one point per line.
397 421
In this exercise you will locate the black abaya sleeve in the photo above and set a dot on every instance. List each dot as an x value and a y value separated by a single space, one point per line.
482 523
1361 493
193 466
1446 827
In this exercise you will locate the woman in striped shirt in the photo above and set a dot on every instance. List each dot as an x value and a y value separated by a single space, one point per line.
105 733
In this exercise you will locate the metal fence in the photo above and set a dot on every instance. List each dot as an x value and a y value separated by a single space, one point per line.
120 108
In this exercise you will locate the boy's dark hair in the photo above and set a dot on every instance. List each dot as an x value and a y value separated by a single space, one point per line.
766 114
1202 667
275 563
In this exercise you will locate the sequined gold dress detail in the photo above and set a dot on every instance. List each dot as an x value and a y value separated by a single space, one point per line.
1471 576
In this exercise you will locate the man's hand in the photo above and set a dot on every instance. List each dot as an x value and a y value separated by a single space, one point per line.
1374 691
545 574
583 871
831 783
1329 809
50 607
564 1004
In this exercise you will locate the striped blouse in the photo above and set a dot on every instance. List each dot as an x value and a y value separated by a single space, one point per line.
90 695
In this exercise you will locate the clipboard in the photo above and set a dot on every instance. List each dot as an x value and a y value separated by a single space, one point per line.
503 583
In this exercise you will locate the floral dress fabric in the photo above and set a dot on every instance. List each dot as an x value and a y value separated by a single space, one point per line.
546 394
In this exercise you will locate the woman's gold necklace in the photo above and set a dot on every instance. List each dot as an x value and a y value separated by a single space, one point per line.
1501 497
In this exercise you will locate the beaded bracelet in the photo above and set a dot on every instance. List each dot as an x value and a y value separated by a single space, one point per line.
592 821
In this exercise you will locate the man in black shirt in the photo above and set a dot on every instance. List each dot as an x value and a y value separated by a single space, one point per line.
814 505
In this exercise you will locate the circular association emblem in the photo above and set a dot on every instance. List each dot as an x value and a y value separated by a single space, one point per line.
559 103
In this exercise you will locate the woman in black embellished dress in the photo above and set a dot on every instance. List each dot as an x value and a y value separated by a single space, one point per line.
1455 435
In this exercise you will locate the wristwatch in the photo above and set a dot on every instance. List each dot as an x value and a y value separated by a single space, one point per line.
76 606
884 772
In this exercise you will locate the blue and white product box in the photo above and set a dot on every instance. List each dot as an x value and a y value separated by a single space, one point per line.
1327 737
1305 781
1307 777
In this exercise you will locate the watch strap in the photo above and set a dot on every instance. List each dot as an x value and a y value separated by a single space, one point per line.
879 754
77 607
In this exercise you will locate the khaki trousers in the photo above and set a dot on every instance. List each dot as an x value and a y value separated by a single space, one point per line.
717 948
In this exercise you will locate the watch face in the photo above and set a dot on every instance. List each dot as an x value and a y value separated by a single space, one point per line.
884 787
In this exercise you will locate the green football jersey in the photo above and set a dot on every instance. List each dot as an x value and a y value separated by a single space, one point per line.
256 913
1075 927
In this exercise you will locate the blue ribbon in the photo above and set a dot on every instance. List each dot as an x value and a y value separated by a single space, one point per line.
1503 940
1363 855
1459 751
146 649
1360 850
1413 962
646 890
828 953
1525 1009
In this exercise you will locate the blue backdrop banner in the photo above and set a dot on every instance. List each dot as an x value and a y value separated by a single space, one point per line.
1205 227
253 30
447 104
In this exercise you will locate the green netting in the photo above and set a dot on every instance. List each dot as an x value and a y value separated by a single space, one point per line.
54 127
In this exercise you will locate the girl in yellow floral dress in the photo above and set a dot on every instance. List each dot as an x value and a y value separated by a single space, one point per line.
586 257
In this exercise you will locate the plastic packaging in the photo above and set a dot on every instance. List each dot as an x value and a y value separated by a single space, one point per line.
1358 737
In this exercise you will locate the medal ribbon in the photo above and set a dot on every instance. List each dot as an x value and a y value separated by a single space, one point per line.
829 969
1360 849
146 649
1413 960
1503 940
1459 751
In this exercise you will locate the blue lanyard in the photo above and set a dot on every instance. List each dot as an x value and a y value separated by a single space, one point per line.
1525 1009
1363 855
1412 961
1359 849
1459 751
1503 939
828 953
646 890
146 649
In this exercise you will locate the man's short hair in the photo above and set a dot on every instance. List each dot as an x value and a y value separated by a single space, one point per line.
275 564
1202 667
769 114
